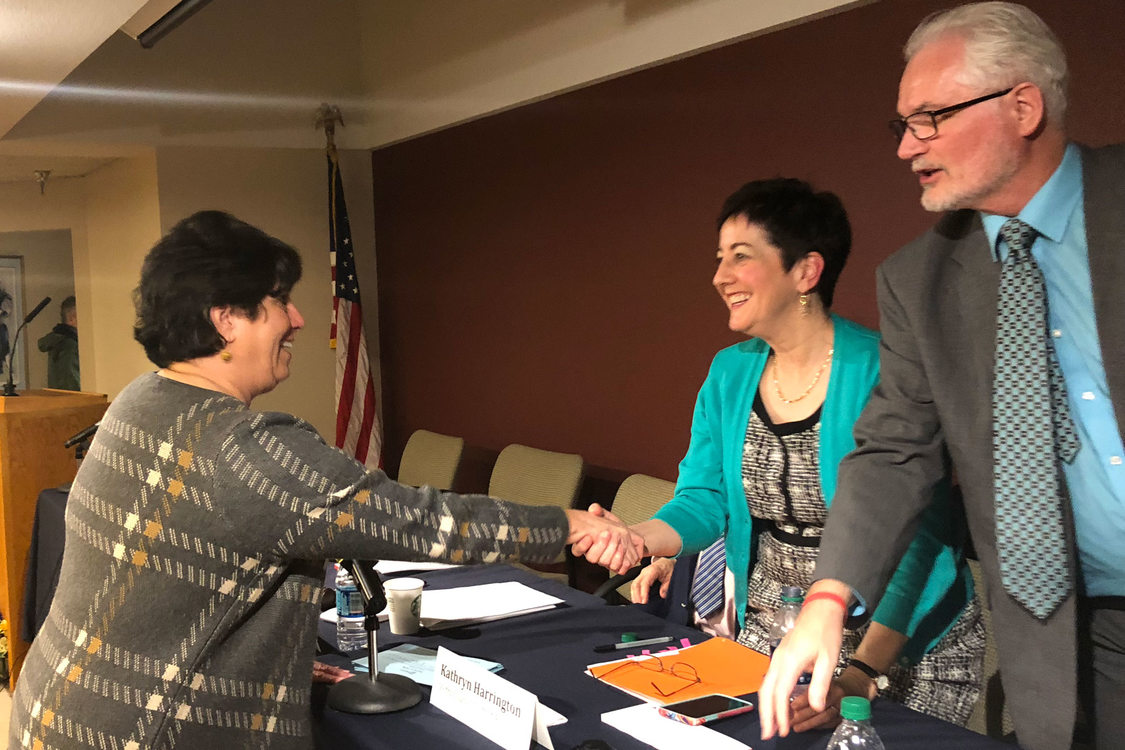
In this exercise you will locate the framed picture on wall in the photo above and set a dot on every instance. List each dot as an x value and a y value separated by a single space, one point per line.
11 314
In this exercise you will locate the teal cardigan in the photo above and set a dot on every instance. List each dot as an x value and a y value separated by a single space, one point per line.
932 583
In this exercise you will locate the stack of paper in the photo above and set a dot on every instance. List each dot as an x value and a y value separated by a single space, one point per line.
721 665
451 608
645 724
394 567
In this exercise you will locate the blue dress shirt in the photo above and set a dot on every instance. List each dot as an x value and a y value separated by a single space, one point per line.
1096 477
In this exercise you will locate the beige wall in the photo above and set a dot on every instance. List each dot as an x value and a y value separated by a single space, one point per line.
117 213
48 271
122 223
284 192
112 218
62 206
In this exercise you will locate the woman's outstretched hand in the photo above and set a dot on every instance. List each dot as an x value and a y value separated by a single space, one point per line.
603 539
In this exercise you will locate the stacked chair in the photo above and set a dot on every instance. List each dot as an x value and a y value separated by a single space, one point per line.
538 477
637 499
430 459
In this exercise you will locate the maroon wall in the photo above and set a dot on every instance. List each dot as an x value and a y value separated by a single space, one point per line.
544 273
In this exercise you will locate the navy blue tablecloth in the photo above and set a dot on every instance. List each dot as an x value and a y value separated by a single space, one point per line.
547 653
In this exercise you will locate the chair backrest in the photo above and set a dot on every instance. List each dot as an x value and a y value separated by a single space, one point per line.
430 459
640 496
637 499
536 477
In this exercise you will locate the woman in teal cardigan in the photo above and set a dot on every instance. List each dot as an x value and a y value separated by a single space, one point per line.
772 422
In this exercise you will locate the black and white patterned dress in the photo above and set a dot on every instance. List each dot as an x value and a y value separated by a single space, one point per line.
781 478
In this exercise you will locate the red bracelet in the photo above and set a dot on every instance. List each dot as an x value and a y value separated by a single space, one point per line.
828 595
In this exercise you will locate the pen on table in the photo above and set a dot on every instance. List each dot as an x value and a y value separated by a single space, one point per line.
633 644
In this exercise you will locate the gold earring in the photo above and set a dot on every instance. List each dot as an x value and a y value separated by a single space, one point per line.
804 300
225 355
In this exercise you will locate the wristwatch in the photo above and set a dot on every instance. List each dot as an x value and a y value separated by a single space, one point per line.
882 682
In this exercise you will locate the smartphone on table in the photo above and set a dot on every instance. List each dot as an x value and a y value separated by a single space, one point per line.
708 708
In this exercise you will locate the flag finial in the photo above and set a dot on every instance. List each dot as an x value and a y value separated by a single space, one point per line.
327 116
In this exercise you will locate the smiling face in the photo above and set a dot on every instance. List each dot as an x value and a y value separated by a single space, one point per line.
757 290
261 348
977 151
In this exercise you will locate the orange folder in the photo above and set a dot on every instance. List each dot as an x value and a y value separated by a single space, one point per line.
718 665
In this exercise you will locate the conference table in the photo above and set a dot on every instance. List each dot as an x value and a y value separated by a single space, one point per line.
547 653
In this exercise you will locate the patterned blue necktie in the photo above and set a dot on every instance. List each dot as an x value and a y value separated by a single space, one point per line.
1031 432
707 593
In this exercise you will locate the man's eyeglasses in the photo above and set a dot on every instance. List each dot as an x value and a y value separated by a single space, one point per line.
680 669
923 125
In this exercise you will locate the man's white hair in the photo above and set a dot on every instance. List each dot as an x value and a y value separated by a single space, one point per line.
1005 44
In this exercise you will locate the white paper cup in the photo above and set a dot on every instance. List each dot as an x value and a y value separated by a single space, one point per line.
404 602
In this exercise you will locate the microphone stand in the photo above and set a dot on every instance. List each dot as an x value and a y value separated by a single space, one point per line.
10 387
376 692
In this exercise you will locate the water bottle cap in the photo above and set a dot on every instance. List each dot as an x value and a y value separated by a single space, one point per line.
792 594
855 708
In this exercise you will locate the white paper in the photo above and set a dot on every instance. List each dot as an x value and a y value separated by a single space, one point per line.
449 608
391 567
645 724
329 615
484 702
446 608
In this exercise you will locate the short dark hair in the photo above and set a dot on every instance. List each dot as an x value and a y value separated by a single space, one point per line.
68 305
798 221
210 259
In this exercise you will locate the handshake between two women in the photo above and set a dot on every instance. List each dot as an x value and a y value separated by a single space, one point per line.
603 539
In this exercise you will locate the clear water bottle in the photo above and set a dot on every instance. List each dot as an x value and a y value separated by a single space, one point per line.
350 635
855 731
783 621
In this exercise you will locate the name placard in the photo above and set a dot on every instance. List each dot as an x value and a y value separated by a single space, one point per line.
484 702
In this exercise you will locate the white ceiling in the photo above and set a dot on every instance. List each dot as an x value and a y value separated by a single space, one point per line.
78 93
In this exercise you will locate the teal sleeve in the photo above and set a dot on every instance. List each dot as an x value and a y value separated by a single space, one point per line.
698 510
931 584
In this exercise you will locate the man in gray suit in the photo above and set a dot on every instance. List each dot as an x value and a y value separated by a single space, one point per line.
982 101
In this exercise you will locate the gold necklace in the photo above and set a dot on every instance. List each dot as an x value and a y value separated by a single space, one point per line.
815 380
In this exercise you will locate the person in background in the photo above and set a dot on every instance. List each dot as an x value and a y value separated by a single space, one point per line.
772 421
1002 330
61 346
197 529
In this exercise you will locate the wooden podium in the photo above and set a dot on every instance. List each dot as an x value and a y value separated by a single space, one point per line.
33 428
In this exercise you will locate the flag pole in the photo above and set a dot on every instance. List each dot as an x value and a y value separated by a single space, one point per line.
357 419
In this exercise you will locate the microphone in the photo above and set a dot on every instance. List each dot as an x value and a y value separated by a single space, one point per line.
369 584
82 434
10 387
378 692
38 309
372 590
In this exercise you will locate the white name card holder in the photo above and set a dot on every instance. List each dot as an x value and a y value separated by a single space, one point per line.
490 705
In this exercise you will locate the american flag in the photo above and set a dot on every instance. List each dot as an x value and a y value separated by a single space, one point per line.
357 423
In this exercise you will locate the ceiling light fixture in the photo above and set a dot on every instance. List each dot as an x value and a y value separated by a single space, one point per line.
168 22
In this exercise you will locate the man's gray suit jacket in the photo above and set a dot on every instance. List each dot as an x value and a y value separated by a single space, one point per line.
937 304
